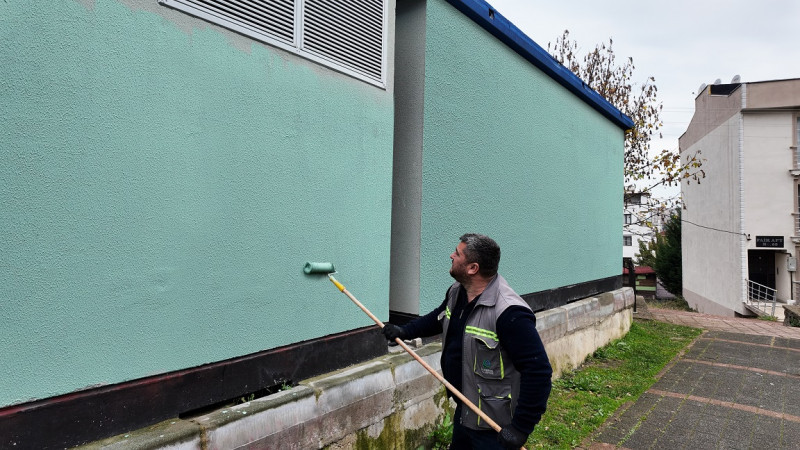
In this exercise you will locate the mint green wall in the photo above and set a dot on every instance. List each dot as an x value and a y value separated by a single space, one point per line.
163 181
511 153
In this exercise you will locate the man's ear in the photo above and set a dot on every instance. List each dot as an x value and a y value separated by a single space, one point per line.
473 268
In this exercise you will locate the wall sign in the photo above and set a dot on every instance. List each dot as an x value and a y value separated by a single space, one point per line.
769 241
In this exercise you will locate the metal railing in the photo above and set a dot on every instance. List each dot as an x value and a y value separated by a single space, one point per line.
761 298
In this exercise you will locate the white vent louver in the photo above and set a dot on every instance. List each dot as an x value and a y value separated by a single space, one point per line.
339 33
270 18
349 32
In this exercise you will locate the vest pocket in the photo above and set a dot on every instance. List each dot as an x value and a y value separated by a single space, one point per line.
495 401
488 363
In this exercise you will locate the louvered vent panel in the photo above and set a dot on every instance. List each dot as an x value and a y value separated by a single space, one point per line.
349 32
274 18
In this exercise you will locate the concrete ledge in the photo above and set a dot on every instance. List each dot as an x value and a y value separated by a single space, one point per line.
173 434
390 402
551 324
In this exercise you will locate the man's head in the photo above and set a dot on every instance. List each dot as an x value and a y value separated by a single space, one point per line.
476 254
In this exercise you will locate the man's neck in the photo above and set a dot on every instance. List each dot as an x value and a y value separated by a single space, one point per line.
475 287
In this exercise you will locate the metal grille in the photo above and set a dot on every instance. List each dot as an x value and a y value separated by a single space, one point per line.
349 32
271 18
344 34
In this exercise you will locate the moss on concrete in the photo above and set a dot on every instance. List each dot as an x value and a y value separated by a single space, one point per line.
393 436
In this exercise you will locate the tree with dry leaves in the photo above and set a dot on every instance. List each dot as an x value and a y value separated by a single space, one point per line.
600 71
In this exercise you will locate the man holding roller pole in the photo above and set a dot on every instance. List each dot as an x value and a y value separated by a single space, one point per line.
491 350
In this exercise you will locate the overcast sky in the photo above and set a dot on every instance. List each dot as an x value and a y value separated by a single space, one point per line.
681 43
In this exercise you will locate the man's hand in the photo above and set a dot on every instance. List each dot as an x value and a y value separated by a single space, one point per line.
393 331
510 437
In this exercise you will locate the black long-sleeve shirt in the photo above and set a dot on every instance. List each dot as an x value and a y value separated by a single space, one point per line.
516 331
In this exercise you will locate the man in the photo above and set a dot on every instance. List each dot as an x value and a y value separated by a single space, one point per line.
491 351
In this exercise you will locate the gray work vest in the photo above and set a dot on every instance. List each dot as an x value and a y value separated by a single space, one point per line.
489 378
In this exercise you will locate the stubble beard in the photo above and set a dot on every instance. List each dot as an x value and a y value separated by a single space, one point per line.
457 275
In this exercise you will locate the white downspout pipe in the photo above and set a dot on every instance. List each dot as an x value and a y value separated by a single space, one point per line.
742 235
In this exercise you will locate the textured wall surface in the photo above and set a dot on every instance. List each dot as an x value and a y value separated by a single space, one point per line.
407 165
712 261
511 153
769 188
163 181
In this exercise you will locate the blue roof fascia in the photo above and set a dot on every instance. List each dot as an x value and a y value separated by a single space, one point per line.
492 21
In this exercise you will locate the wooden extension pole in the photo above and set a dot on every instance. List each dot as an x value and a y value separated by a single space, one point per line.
427 366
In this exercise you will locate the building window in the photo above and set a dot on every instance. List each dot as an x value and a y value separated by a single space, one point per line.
627 219
797 146
349 37
627 241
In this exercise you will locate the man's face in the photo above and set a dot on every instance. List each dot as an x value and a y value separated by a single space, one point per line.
460 269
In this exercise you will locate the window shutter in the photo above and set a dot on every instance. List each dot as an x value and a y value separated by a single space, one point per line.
349 32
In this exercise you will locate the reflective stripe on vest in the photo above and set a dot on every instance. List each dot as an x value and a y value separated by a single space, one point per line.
481 332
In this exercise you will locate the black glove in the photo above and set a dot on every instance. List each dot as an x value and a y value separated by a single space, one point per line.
393 331
510 437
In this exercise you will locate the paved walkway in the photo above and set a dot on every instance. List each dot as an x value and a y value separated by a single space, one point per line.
719 323
736 387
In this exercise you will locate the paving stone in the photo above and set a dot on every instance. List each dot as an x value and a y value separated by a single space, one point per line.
725 388
788 343
673 442
684 423
699 349
751 338
739 426
639 440
705 440
790 437
732 444
791 398
611 435
713 417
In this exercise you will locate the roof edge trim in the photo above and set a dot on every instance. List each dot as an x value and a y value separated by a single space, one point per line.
492 21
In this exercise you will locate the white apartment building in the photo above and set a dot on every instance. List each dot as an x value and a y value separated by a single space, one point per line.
741 222
637 213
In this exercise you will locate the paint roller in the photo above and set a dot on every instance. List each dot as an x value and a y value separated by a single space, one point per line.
319 267
326 268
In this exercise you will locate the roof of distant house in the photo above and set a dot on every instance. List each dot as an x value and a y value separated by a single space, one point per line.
640 270
492 21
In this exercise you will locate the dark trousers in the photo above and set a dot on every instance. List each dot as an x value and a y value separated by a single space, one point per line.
468 439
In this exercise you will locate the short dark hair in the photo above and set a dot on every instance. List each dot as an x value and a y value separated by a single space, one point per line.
483 250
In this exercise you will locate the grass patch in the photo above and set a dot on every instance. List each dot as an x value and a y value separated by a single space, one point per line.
442 435
617 373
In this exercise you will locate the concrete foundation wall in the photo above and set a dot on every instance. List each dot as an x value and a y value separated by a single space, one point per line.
388 403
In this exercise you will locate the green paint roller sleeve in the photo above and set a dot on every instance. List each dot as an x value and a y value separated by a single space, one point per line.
318 267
